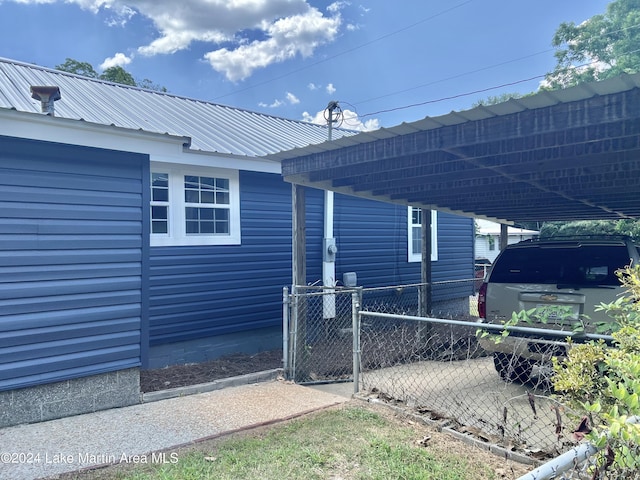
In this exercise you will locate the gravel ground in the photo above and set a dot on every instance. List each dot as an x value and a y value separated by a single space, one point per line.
130 434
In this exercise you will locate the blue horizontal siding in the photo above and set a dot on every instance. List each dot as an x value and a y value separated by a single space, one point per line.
372 240
70 331
197 292
72 243
13 326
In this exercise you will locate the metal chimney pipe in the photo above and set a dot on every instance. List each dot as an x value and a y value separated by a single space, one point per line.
47 95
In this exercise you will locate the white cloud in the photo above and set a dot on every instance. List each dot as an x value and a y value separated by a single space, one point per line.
349 121
312 86
330 89
292 99
245 34
335 7
258 32
353 122
118 60
121 17
275 104
286 38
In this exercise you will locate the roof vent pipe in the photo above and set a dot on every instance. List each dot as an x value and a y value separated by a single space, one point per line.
46 95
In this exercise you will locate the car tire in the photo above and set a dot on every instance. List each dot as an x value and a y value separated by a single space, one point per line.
512 368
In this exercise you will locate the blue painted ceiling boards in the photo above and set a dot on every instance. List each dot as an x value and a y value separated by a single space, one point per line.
569 154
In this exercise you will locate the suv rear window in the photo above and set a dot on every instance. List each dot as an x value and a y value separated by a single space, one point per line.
574 265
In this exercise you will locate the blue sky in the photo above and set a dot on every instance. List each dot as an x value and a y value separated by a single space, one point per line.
291 57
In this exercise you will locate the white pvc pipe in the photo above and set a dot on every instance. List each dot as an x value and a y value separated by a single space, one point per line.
328 268
567 460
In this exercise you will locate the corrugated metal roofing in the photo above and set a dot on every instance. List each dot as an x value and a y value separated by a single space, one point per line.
532 102
562 155
212 127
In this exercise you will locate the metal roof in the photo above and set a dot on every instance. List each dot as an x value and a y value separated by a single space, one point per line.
211 127
560 155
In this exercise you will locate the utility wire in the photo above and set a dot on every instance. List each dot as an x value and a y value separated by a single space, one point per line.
489 67
453 97
483 90
344 52
453 77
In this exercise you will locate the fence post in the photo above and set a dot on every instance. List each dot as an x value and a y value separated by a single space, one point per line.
355 319
285 331
293 333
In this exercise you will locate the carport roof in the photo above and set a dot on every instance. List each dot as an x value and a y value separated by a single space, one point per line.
561 155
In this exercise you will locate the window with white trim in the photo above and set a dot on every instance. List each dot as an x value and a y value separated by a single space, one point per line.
194 206
415 235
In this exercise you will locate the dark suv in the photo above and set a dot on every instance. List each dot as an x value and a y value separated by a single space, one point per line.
563 279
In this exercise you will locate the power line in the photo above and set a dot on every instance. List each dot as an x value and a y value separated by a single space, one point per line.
453 97
475 92
453 77
344 52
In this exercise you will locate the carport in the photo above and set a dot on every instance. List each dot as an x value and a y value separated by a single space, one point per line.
570 154
563 155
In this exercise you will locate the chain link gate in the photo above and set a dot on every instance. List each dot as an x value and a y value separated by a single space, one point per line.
434 367
319 345
318 326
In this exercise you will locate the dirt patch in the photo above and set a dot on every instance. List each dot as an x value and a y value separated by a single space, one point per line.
194 373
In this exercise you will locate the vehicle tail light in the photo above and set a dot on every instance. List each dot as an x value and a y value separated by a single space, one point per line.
482 301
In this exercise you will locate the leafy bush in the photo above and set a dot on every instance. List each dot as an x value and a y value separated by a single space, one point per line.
603 382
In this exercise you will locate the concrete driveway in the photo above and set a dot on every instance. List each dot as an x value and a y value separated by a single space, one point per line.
473 394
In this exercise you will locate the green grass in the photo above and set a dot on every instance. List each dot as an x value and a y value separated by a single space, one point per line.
349 443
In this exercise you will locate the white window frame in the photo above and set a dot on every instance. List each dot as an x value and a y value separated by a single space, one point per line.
417 257
177 235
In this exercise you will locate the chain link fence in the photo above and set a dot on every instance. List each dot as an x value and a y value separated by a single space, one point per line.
319 322
437 368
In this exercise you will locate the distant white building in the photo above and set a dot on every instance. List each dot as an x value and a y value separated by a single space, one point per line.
488 238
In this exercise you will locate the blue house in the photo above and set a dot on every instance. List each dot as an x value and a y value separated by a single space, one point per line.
140 229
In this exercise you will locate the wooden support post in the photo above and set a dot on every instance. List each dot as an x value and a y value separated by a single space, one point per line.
299 278
299 235
425 265
504 236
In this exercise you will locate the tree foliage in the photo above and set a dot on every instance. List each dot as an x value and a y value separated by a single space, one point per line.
118 75
602 383
495 99
111 74
79 68
603 46
592 227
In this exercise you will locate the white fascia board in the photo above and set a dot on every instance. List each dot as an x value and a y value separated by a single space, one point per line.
238 162
160 147
163 147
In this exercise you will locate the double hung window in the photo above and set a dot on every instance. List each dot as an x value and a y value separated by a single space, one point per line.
194 206
415 235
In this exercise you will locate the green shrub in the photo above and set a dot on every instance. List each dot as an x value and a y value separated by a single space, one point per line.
603 383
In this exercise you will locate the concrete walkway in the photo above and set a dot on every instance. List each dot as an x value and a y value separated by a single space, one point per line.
133 433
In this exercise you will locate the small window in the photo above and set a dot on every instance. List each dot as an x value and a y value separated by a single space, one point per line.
194 206
415 235
160 203
206 205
